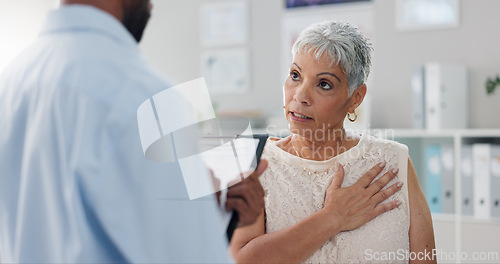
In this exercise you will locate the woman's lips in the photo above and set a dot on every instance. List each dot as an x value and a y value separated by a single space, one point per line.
299 117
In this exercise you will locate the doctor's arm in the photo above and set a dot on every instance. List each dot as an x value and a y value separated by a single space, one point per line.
247 197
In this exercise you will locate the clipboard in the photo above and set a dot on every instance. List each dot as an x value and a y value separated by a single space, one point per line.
233 223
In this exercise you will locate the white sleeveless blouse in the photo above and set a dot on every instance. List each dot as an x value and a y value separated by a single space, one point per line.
293 193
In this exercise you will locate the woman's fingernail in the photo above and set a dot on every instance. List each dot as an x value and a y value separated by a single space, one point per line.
395 170
399 184
398 203
382 164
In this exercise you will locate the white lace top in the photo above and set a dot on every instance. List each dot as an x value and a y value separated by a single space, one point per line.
292 194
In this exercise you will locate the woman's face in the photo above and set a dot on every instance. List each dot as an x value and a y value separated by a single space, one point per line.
316 96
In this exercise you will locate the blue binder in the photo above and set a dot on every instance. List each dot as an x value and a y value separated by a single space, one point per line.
433 178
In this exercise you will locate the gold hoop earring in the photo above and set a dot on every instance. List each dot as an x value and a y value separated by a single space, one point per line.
350 118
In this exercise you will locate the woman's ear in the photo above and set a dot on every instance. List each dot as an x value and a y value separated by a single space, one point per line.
357 98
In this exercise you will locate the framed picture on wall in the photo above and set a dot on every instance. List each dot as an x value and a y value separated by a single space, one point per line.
226 71
303 3
427 14
224 23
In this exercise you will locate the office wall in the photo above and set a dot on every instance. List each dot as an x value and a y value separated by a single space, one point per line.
20 22
475 43
172 44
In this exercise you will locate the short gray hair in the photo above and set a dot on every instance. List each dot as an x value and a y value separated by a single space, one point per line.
345 45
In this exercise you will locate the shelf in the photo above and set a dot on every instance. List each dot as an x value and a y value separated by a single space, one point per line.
407 133
444 217
414 133
474 220
480 133
419 133
465 219
453 232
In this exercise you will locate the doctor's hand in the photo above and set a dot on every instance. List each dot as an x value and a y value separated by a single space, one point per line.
353 206
247 197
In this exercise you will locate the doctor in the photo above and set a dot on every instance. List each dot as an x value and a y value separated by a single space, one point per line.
75 186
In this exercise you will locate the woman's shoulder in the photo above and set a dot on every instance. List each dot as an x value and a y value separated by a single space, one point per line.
278 141
278 160
276 146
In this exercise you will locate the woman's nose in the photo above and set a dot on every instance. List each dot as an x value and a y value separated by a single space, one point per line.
302 94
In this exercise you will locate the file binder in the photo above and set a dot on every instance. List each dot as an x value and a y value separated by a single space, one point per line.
481 161
495 180
433 180
448 179
445 96
418 98
467 181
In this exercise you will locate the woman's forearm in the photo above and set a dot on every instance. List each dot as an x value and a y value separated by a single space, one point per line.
291 245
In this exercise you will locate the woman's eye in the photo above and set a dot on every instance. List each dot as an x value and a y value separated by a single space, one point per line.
294 76
325 86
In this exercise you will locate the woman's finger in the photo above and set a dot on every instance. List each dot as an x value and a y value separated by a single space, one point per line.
382 208
338 177
368 177
379 184
383 195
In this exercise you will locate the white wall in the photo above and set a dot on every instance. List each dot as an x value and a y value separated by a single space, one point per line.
476 43
172 44
20 22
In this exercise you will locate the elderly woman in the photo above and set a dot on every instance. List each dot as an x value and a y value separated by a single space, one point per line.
314 213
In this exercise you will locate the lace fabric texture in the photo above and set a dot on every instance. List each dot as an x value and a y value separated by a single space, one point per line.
293 193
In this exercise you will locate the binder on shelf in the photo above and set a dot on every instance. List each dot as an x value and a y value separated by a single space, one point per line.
495 181
433 180
467 181
418 98
481 182
445 96
448 179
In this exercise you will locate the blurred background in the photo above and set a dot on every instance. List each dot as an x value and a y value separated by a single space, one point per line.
174 42
433 84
